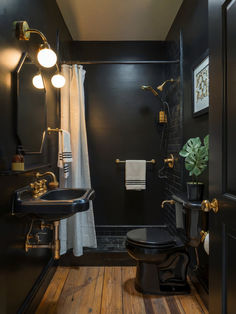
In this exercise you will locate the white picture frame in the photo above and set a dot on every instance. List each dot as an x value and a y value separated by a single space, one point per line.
201 86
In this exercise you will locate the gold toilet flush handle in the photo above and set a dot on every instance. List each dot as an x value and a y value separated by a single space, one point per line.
172 202
208 206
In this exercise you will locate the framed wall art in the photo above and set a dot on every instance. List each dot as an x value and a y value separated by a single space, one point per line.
200 82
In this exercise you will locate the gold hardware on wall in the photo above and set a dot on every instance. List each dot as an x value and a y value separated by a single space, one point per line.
160 87
162 117
170 161
172 202
46 56
21 30
152 161
53 130
203 235
208 206
149 88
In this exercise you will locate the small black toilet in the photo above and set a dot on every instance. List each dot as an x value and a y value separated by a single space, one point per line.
162 259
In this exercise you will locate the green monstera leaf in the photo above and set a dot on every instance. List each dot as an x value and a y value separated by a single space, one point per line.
191 146
196 155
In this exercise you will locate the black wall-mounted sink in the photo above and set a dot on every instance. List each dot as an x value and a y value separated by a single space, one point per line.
53 205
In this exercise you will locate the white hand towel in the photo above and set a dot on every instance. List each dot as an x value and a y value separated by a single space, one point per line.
135 175
64 152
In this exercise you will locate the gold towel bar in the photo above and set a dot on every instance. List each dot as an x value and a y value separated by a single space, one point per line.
153 161
54 130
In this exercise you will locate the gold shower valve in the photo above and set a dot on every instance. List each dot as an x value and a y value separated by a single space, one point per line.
170 161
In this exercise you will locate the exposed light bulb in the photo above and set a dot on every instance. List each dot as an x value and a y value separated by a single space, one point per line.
47 57
38 81
58 80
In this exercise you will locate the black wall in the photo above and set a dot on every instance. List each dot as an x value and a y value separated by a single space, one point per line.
19 271
192 22
122 123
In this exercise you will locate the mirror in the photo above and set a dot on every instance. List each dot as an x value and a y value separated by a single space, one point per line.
31 121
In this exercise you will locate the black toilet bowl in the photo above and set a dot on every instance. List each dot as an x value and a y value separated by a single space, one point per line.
162 261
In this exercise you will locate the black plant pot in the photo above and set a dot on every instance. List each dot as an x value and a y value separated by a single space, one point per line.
195 191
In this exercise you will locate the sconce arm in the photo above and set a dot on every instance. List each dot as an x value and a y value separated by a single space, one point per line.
22 31
36 31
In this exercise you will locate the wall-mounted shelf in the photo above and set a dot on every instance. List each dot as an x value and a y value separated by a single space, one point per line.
11 173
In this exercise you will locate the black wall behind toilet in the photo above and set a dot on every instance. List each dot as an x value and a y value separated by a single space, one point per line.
192 22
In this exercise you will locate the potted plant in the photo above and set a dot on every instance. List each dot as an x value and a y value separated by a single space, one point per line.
196 159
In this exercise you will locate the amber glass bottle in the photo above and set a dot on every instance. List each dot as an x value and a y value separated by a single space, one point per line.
18 160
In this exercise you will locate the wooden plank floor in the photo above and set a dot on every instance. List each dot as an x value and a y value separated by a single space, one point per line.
109 290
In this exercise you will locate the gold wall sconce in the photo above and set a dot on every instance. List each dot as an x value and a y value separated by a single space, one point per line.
46 57
170 161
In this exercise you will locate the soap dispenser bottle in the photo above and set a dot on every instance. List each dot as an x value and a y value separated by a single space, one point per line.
18 160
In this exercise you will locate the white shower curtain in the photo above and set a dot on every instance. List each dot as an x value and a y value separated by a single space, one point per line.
77 231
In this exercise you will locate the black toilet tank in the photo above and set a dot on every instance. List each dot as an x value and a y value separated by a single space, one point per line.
189 220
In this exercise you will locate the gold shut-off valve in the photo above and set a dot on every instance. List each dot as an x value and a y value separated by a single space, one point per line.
170 161
208 206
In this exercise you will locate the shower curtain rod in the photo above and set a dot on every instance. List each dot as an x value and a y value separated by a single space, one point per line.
120 62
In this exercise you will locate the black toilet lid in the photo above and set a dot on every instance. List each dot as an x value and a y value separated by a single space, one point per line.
156 236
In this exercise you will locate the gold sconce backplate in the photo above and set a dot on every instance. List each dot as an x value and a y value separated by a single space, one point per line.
21 30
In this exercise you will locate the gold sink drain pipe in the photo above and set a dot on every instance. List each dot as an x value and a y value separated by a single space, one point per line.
54 245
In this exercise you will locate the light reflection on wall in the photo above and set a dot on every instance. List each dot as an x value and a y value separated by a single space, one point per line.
9 59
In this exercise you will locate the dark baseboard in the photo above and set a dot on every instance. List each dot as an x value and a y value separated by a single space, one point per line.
97 259
33 299
200 287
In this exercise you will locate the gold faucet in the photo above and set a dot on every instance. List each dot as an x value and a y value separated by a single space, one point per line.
172 202
54 183
38 187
